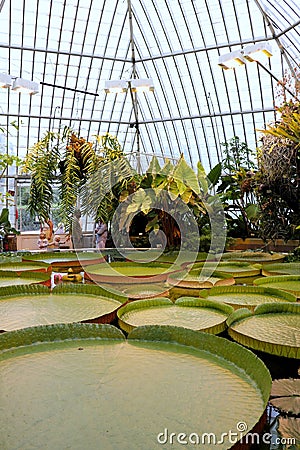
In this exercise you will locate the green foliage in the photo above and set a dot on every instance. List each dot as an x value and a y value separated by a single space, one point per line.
279 176
237 189
5 225
41 163
7 160
69 162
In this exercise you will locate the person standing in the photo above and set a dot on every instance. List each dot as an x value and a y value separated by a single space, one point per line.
101 235
77 235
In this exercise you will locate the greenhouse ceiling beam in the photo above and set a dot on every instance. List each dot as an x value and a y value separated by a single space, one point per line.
148 122
287 29
204 49
275 37
62 52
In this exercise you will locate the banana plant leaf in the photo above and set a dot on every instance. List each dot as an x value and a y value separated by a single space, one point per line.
33 306
119 392
247 296
188 312
289 283
272 328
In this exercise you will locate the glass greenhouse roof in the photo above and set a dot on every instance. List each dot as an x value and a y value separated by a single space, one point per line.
72 47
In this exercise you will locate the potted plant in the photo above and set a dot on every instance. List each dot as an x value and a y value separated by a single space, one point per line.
7 232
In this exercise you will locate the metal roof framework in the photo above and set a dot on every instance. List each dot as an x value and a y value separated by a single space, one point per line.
72 47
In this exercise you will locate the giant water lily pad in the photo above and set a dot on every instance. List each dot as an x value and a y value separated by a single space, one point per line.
247 296
236 269
141 291
10 278
291 268
188 312
26 306
273 328
289 429
285 395
200 279
289 283
84 386
22 267
129 272
253 257
65 259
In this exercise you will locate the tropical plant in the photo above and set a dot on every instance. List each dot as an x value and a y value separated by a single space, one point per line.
5 225
169 195
67 161
237 188
279 169
7 160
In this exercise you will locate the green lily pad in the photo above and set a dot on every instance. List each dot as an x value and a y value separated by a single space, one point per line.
65 259
27 306
247 296
21 267
292 268
141 291
128 272
289 283
272 328
200 279
253 257
188 312
236 269
9 278
84 385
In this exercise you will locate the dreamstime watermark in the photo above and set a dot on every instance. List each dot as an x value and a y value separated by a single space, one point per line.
231 437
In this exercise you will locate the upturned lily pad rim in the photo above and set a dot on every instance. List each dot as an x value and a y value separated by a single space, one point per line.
91 273
56 333
65 258
244 255
280 278
194 302
219 346
274 269
25 289
256 344
268 291
134 291
38 277
25 266
106 313
154 264
247 269
180 279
